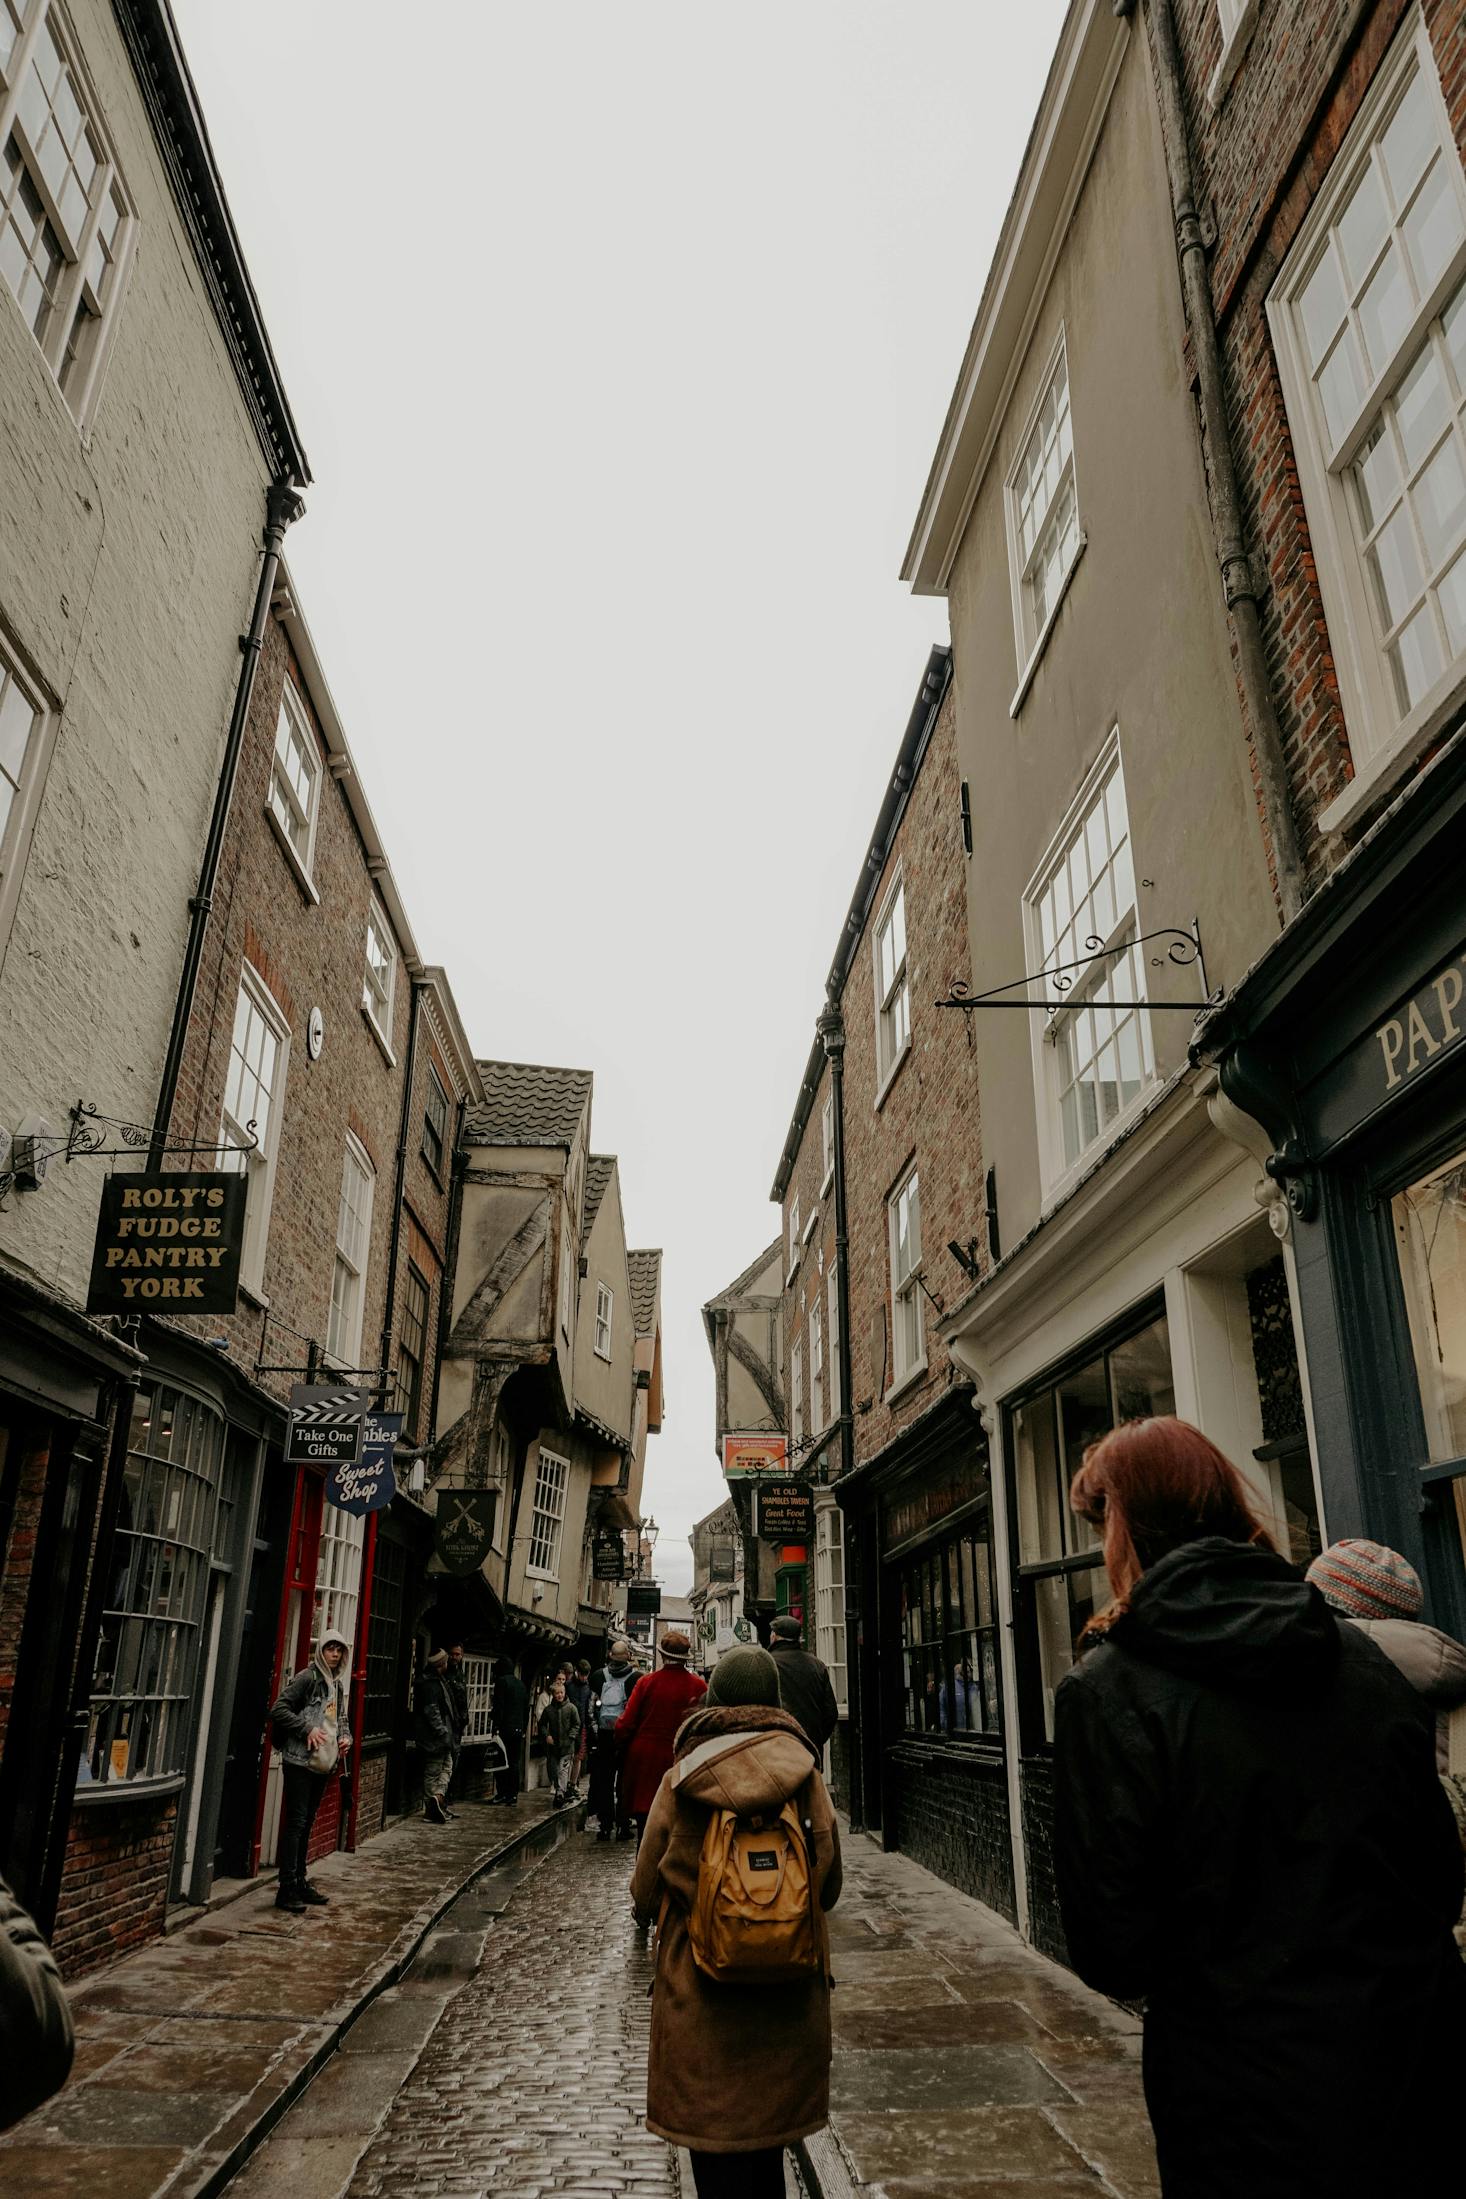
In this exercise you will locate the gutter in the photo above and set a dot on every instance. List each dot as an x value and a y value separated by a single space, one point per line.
399 1186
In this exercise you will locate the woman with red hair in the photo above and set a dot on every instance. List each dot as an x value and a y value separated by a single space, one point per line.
1251 1838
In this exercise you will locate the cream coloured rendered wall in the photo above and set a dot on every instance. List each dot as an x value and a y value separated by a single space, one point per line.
1140 640
603 1386
558 1599
127 570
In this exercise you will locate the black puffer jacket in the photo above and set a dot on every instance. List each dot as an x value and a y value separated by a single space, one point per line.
1250 1834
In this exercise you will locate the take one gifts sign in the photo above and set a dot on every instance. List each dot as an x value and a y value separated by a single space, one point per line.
370 1483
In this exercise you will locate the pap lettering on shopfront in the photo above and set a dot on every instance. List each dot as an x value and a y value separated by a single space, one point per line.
1425 1027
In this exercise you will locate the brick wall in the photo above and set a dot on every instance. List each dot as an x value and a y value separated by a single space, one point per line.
115 1892
1260 161
17 1556
949 1812
371 1806
1037 1782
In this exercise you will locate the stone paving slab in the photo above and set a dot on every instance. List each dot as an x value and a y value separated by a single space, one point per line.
188 2050
966 2064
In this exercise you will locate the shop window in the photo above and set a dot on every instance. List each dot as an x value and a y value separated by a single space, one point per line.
384 1639
412 1349
1430 1230
893 991
338 1573
829 1598
477 1675
435 1123
1370 317
149 1648
1092 1055
949 1637
64 221
1061 1576
548 1517
353 1240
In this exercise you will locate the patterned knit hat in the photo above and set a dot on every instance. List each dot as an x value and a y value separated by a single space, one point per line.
1367 1581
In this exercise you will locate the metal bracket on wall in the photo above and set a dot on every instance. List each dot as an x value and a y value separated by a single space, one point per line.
87 1138
1183 948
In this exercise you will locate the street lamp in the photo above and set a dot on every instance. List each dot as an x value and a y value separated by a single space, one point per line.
648 1544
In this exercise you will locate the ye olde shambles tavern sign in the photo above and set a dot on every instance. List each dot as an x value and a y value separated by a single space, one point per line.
168 1242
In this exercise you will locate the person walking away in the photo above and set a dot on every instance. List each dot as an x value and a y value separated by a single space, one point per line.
805 1688
611 1686
648 1727
578 1688
1250 1837
1380 1593
511 1717
737 2071
560 1733
309 1726
458 1692
432 1711
37 2041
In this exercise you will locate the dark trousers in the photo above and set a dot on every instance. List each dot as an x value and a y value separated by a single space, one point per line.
507 1782
304 1789
740 2175
606 1806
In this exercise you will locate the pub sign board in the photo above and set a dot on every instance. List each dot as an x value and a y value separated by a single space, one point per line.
371 1482
643 1599
168 1242
464 1532
325 1424
785 1511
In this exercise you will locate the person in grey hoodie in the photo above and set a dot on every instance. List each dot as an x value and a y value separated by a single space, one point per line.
311 1732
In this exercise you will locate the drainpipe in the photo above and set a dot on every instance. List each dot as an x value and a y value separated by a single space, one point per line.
283 504
1239 584
419 987
450 1265
831 1027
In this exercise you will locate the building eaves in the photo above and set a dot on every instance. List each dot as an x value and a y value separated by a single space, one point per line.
458 1046
599 1169
915 741
528 1103
617 1438
645 1270
155 50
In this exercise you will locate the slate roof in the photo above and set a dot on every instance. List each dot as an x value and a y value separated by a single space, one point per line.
598 1169
527 1104
645 1269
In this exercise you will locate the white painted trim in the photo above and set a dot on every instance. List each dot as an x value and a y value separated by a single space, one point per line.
379 1035
1028 650
1235 42
1379 773
298 870
20 825
908 1380
1025 677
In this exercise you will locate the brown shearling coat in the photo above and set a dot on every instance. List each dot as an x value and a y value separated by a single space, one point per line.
733 2068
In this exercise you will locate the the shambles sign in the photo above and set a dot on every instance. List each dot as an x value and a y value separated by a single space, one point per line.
168 1242
370 1483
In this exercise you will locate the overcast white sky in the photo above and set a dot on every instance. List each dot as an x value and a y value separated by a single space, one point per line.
620 333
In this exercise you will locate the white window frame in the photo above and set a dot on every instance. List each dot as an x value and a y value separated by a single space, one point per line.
827 1143
605 1320
816 1365
796 1393
547 1516
477 1675
893 1001
795 1241
29 783
832 1337
338 1574
1057 1169
1238 19
378 922
259 1165
1382 741
905 1285
77 288
282 795
1031 632
829 1596
345 1351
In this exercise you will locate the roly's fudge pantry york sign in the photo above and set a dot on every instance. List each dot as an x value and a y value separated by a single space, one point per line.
168 1242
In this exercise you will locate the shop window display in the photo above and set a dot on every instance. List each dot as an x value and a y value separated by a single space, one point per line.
949 1637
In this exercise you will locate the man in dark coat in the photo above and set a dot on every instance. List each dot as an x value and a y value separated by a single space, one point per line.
433 1715
511 1717
1250 1836
805 1689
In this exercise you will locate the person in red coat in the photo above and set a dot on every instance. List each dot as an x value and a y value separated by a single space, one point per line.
647 1728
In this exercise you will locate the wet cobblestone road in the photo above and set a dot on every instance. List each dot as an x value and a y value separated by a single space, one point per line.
533 2081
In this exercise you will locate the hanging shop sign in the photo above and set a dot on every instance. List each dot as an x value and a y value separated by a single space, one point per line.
643 1599
608 1555
722 1558
168 1242
325 1425
742 1631
371 1482
744 1455
710 1626
464 1531
785 1511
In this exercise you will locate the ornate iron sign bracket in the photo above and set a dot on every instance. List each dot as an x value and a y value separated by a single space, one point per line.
87 1138
1183 948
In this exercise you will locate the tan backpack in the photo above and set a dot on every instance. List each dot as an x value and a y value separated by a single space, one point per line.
753 1918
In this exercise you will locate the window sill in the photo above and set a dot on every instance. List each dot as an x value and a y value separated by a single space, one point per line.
1057 1191
907 1381
601 1354
793 1270
379 1035
1025 679
1415 735
890 1077
810 1227
95 1794
538 1573
1234 47
256 1296
829 1179
298 870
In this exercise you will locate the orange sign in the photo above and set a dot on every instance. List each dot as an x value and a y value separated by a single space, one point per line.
754 1454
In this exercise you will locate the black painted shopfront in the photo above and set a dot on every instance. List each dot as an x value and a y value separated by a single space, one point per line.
930 1690
1348 1043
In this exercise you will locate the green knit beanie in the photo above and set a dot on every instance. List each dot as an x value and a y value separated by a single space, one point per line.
745 1676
